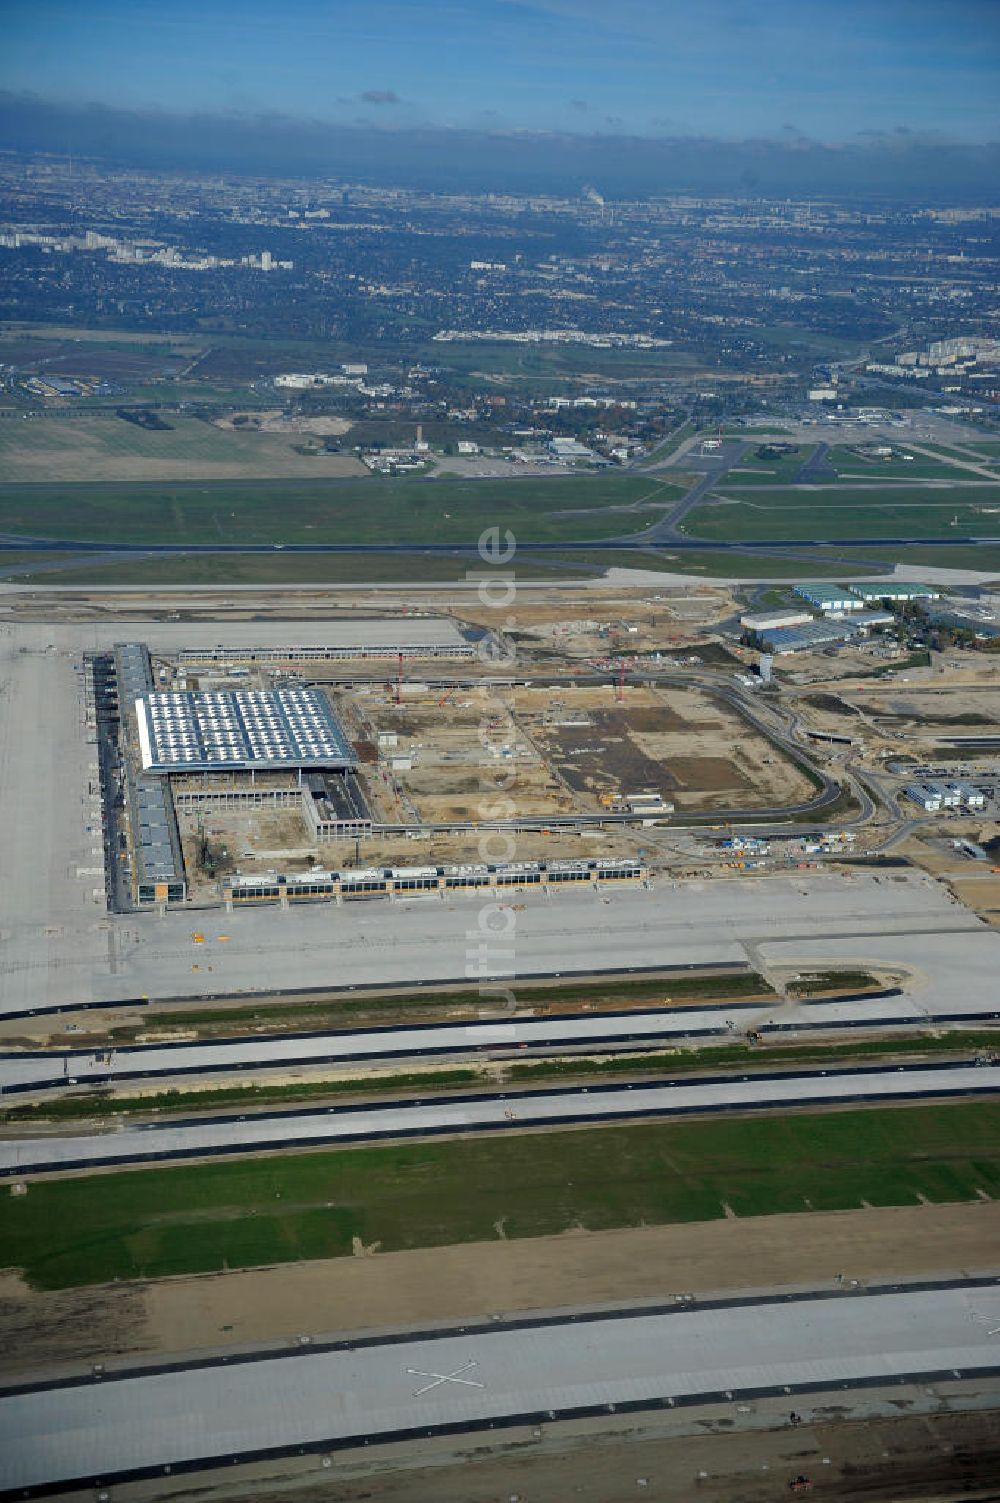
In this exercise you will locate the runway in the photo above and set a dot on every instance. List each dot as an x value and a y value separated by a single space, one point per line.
208 1137
527 1371
46 1070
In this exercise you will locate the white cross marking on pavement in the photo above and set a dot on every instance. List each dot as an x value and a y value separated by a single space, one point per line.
982 1319
440 1378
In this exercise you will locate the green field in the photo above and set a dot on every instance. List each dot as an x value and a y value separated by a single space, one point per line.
74 449
197 1218
267 569
359 568
780 471
847 511
528 362
345 511
986 558
760 430
852 466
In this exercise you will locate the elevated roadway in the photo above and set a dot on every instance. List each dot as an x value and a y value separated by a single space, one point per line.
151 1422
207 1137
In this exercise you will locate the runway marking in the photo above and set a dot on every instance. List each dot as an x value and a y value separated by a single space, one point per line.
985 1321
440 1378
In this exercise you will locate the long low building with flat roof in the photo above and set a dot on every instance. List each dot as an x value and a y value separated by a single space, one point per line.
898 590
773 620
382 637
240 730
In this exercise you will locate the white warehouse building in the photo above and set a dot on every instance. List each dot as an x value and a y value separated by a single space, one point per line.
771 620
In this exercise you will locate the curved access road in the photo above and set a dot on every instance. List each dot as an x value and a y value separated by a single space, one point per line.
149 1422
621 1031
266 1132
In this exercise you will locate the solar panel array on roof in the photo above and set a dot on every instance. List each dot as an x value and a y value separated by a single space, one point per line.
240 728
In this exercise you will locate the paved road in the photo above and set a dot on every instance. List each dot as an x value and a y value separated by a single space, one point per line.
665 532
249 1133
815 467
528 1371
37 1070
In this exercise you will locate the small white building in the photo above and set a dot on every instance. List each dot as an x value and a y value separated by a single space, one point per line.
968 796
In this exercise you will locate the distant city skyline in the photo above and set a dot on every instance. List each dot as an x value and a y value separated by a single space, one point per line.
788 71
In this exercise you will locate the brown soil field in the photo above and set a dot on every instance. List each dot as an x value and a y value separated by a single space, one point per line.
937 1457
676 741
41 1331
708 774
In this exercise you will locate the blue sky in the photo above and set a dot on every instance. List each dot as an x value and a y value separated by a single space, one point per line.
721 68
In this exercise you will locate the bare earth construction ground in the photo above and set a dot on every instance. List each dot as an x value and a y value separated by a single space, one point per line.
47 1331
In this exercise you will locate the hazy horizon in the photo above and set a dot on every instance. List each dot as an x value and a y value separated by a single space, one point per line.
903 164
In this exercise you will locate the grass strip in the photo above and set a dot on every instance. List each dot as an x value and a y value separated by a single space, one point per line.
420 1007
202 1218
811 982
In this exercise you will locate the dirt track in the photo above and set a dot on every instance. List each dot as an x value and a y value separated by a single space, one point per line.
40 1331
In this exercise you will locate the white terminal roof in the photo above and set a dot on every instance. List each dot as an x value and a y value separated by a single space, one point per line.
236 729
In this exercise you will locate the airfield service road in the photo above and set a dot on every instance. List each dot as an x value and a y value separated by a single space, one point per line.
530 1370
206 1137
54 1069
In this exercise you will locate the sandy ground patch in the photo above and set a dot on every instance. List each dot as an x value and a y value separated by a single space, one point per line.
274 420
936 1457
41 1331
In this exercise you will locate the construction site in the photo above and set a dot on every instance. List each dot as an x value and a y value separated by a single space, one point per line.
244 764
576 771
262 754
